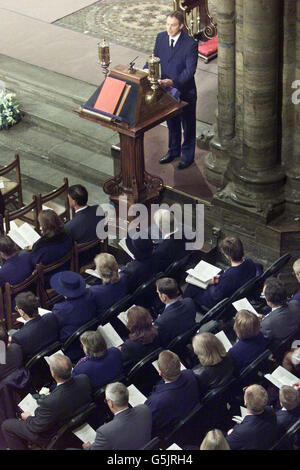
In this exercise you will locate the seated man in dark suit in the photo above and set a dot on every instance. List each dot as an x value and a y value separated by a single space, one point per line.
146 262
175 395
38 331
258 430
289 413
77 309
69 396
170 241
179 314
284 319
83 226
130 428
224 285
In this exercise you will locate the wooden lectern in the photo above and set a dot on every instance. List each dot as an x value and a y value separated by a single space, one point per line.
145 109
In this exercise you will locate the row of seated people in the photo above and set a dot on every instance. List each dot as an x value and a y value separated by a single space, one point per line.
131 428
81 304
56 242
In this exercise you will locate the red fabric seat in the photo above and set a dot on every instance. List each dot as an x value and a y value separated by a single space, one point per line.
209 47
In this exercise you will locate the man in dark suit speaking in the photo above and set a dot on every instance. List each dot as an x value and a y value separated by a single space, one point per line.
178 57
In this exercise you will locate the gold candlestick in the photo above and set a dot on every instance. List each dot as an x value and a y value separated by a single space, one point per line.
104 56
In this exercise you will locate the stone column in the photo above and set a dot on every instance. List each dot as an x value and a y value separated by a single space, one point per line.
216 161
258 177
291 110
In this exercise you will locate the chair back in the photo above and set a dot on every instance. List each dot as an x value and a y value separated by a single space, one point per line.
32 283
248 375
27 213
79 248
143 374
48 199
276 267
290 439
176 270
215 312
48 296
74 337
38 367
152 445
75 422
12 191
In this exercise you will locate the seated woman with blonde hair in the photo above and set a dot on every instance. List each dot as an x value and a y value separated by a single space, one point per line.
214 440
251 342
216 367
114 285
143 336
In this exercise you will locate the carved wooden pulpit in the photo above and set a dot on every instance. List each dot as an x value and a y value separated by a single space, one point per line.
198 21
144 109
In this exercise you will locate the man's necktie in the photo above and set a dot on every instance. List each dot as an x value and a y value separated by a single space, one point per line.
172 43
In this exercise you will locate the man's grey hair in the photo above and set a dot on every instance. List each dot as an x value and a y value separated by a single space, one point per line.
117 393
61 366
165 220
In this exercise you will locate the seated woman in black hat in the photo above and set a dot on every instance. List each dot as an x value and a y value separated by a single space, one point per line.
77 309
145 263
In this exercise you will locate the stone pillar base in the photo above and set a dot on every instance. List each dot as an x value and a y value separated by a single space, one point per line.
292 191
259 192
215 163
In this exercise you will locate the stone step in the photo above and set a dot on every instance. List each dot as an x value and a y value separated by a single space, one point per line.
40 175
53 150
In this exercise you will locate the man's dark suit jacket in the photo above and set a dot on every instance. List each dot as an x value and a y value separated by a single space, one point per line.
36 334
70 314
82 228
175 319
286 418
281 323
169 250
129 430
170 402
180 64
244 351
256 432
56 408
138 272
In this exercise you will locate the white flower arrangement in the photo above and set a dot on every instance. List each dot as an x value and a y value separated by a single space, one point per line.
9 110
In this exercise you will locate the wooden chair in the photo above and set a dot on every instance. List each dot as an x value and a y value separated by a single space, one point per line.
47 295
80 248
12 191
48 201
32 283
39 368
76 421
143 374
27 213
